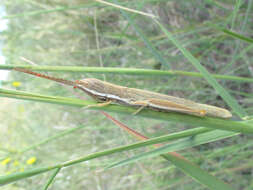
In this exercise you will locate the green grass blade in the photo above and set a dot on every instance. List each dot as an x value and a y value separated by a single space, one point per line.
50 139
188 142
222 92
187 167
45 141
22 175
210 122
131 71
236 35
149 45
57 170
235 12
197 173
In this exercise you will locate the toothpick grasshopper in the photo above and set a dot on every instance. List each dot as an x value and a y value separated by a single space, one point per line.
110 93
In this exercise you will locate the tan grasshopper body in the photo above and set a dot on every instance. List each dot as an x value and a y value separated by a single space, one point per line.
104 91
108 92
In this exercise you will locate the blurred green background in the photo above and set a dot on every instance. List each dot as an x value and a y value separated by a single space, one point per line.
89 33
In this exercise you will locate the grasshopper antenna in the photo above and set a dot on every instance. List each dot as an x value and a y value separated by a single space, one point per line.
59 80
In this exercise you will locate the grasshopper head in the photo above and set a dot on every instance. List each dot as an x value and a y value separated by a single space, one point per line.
100 90
94 87
91 84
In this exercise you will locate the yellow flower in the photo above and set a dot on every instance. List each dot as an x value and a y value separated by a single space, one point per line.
31 160
16 84
16 163
6 161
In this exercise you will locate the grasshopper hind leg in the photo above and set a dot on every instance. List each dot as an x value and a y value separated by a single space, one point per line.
167 106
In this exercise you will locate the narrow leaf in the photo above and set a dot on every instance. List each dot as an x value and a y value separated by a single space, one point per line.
195 62
188 142
210 122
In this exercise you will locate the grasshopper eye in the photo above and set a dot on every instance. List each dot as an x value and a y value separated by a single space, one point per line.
104 99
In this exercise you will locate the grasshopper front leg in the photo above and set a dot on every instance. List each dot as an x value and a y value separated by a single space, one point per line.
143 105
98 105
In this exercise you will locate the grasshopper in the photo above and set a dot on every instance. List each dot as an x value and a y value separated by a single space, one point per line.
108 93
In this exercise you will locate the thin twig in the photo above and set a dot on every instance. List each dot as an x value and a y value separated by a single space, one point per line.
126 9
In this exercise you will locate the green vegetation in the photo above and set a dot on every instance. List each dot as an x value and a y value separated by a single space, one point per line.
199 50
